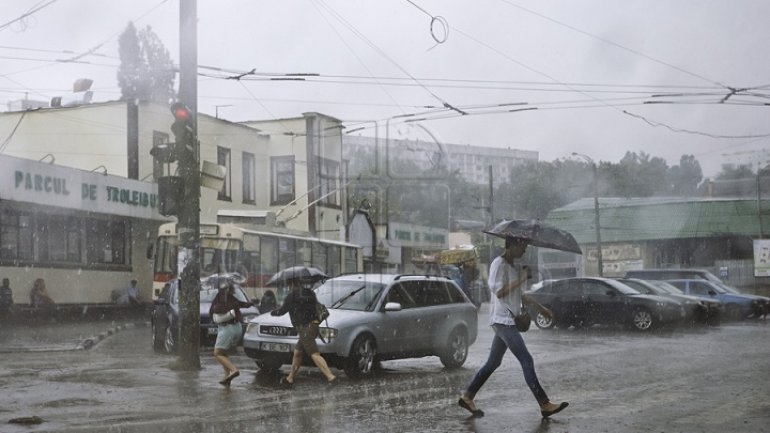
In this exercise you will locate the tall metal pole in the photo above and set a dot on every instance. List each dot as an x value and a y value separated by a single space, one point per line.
597 223
759 205
188 226
491 199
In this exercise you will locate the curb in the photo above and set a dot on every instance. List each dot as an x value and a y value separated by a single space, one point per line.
84 344
90 342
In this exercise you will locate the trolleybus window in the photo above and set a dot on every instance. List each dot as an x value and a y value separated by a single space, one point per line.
286 248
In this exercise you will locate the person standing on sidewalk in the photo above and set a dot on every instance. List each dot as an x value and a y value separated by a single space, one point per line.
300 303
507 282
229 331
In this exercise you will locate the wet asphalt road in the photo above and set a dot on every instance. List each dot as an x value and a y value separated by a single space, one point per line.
703 380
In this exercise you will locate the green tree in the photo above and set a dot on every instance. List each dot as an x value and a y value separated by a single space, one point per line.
685 177
636 176
146 71
733 172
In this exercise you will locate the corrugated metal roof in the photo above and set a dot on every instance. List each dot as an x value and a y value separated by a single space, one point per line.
635 219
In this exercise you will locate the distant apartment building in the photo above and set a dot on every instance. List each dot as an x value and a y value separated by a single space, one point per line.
472 162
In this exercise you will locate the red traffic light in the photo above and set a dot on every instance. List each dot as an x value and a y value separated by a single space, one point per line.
181 112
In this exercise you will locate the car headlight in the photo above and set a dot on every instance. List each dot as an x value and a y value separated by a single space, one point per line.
327 333
251 327
661 304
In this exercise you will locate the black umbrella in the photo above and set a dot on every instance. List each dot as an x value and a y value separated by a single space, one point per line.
305 274
537 234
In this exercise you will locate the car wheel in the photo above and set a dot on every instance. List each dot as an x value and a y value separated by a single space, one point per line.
157 343
642 319
456 350
362 357
269 364
169 340
543 322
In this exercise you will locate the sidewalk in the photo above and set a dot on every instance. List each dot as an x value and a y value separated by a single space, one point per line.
61 335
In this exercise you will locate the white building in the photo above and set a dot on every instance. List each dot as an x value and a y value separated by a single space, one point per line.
472 162
290 167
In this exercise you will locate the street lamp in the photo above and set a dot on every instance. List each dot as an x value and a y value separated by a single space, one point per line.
596 212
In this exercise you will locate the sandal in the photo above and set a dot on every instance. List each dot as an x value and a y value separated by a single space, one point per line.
226 381
478 413
284 382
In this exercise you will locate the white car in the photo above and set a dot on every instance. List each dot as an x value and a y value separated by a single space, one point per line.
375 317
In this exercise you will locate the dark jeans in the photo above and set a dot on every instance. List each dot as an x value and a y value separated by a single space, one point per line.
508 337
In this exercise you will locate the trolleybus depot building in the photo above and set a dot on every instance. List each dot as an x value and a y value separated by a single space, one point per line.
83 232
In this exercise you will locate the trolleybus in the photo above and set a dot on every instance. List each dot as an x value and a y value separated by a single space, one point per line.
255 255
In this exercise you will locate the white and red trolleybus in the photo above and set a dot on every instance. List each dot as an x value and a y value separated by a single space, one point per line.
255 255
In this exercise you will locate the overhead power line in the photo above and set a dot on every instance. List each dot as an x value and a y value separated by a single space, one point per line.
615 44
27 14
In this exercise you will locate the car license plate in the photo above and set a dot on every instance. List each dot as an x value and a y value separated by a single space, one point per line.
213 331
276 347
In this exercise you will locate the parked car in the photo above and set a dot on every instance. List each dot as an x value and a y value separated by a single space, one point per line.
589 301
737 306
673 274
164 319
698 310
761 309
375 317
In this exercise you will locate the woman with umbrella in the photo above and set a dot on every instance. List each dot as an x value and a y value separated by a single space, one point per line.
507 281
300 303
225 310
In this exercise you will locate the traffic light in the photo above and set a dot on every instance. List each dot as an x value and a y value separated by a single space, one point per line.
171 188
183 129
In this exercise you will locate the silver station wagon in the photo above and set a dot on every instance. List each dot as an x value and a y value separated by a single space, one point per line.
375 317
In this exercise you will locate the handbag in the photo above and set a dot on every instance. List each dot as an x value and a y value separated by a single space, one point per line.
224 317
522 321
321 312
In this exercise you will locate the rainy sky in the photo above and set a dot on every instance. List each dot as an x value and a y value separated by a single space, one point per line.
598 77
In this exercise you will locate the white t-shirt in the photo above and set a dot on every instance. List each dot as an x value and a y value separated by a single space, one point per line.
500 274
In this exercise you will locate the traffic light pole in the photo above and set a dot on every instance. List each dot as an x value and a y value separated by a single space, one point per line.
188 225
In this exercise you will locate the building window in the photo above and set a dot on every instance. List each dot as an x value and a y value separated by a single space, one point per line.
330 171
43 240
249 180
64 237
281 180
223 158
158 138
106 242
15 235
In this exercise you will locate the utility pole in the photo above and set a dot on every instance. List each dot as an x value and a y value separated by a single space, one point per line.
759 202
597 223
188 225
491 199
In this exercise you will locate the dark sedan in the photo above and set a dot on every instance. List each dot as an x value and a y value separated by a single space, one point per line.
589 301
699 310
164 319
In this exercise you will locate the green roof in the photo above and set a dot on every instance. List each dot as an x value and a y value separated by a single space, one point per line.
636 219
